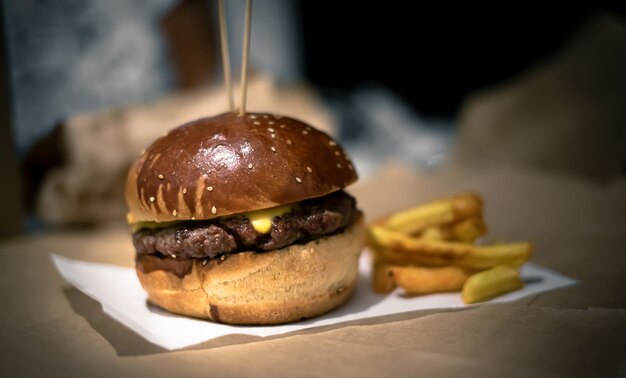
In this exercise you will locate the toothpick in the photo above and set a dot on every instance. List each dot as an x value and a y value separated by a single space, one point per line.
225 55
244 62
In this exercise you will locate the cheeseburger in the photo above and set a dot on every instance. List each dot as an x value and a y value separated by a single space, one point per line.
243 220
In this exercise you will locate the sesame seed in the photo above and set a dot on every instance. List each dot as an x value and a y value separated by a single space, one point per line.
338 165
337 153
250 166
304 132
298 179
309 169
204 262
173 256
160 176
256 122
288 141
332 143
273 149
252 116
184 190
210 188
174 213
214 210
273 135
270 122
222 257
265 116
282 126
152 199
271 130
193 218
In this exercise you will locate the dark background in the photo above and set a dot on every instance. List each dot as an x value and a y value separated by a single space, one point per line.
433 55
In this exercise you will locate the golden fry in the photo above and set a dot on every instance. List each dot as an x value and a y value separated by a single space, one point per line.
433 213
488 256
491 283
382 281
403 257
425 280
401 249
435 233
418 218
469 229
467 205
430 248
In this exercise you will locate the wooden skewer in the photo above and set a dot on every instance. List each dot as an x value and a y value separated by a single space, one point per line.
225 56
244 61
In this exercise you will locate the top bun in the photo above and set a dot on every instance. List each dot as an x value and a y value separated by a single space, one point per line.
229 164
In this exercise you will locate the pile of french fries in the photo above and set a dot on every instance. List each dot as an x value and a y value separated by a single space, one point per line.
432 248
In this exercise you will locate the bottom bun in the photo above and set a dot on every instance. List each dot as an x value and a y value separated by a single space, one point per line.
280 286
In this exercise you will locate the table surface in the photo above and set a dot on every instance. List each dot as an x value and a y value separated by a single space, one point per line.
49 327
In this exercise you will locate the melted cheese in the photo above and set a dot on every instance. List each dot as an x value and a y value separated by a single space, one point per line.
151 225
262 220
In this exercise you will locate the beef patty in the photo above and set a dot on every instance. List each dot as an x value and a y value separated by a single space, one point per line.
310 220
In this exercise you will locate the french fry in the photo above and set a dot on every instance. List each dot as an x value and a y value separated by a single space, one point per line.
430 248
382 281
425 280
435 233
467 205
403 257
418 218
491 283
468 230
372 241
433 213
489 256
401 249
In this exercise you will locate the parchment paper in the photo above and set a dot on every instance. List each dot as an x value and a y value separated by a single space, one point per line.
123 298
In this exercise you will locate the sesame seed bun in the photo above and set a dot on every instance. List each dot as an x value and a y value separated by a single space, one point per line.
224 165
280 286
228 164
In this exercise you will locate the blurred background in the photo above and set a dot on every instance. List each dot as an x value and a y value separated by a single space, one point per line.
85 86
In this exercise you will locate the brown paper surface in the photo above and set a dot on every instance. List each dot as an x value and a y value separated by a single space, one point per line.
48 327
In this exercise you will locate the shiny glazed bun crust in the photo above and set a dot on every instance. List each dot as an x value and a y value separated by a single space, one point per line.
280 286
228 164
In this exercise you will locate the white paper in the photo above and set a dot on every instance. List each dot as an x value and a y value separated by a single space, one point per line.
123 298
